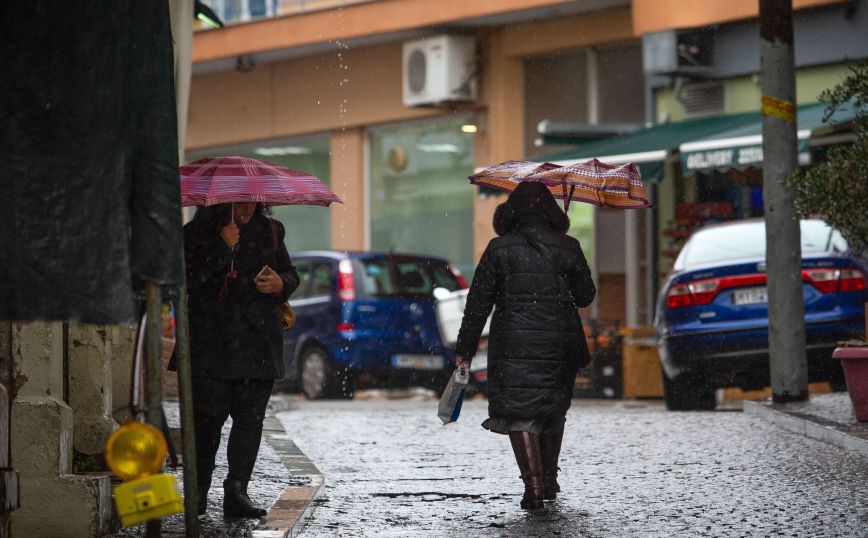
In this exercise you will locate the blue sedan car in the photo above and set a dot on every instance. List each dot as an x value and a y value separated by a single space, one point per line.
366 319
712 313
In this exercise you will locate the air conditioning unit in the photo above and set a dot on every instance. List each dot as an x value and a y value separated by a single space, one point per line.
674 52
439 70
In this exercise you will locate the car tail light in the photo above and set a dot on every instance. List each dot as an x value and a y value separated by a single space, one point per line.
346 283
345 327
833 280
459 277
703 292
851 280
679 296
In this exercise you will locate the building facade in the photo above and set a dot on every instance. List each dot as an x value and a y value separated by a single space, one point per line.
324 91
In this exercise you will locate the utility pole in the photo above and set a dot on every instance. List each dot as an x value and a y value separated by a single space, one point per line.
787 358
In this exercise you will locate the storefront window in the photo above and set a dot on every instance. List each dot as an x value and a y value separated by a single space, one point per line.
307 227
421 200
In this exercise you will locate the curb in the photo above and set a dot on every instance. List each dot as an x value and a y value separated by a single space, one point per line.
810 426
288 515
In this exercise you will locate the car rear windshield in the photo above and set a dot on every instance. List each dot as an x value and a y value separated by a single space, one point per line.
404 277
748 240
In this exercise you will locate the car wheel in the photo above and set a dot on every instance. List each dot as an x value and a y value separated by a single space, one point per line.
315 373
320 379
688 393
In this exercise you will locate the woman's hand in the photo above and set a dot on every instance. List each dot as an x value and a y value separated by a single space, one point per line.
267 281
462 361
230 234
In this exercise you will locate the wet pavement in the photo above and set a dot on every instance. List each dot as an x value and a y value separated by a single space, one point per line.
628 469
825 417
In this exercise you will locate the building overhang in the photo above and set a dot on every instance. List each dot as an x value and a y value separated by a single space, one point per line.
368 24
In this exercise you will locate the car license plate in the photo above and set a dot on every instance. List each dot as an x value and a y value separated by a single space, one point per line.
750 296
418 362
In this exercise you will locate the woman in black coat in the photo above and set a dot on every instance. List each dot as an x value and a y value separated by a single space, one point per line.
536 341
238 273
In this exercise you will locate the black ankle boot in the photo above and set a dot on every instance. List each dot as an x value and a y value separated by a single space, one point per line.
236 503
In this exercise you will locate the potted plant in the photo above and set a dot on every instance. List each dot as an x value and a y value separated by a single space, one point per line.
838 190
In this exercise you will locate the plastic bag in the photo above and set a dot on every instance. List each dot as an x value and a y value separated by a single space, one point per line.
453 396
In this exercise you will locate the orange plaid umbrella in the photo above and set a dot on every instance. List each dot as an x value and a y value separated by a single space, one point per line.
591 181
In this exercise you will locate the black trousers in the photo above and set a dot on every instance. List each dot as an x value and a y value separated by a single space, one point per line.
214 400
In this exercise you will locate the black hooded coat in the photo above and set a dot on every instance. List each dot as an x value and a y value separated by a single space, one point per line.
536 341
236 334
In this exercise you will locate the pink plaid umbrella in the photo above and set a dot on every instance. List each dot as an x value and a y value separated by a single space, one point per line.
591 181
218 180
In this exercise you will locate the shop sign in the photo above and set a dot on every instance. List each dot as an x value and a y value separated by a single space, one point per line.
734 157
722 158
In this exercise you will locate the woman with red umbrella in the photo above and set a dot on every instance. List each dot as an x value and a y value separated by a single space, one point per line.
238 273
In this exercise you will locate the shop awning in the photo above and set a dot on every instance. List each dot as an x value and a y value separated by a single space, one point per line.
649 147
741 146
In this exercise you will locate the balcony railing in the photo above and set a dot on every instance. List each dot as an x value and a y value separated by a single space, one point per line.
236 11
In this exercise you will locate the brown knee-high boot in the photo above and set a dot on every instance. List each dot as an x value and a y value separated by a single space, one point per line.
526 447
550 446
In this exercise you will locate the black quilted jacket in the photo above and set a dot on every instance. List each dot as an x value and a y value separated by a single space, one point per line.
536 341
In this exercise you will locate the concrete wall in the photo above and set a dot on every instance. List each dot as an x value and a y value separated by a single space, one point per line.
821 36
55 502
742 94
658 15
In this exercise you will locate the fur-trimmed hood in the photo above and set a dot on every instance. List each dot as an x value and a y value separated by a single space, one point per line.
529 198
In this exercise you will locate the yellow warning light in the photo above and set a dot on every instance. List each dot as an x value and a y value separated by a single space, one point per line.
136 453
135 450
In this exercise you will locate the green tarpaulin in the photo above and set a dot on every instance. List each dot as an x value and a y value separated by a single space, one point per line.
715 142
741 146
649 147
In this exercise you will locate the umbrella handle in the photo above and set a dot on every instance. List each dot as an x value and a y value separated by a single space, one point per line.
232 216
567 197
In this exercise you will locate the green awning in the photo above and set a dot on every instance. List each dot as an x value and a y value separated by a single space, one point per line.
742 146
649 147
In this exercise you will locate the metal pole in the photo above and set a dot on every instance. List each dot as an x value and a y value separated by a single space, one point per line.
787 358
652 248
153 372
185 395
631 266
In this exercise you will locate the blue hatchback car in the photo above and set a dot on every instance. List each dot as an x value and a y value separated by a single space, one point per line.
712 312
366 319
